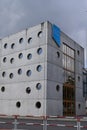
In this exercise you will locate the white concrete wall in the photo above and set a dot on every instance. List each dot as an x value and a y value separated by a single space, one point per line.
15 88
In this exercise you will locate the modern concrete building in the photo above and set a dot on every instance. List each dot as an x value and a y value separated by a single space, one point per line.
41 73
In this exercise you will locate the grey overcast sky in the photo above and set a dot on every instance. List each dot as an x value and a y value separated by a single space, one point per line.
69 15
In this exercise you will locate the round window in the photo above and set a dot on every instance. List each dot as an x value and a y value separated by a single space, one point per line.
28 90
30 40
11 60
3 74
21 40
38 86
28 73
18 104
11 75
78 78
39 51
40 34
78 52
57 87
39 68
20 56
19 71
4 59
29 56
38 105
12 45
79 106
5 45
2 88
58 54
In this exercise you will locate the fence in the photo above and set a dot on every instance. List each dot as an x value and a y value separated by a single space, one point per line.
42 123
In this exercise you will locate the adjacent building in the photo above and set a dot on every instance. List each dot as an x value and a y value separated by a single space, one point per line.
85 87
41 73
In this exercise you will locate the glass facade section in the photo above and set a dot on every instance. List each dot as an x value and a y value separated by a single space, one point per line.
85 84
69 81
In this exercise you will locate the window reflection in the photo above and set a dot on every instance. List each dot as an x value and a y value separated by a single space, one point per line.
68 51
69 81
68 61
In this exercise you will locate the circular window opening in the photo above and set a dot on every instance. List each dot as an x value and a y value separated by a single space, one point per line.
30 40
11 75
21 40
57 87
20 71
39 51
29 56
12 45
11 60
38 105
39 68
18 104
5 45
3 89
38 86
58 54
4 59
40 34
3 74
79 106
78 78
28 73
20 56
28 90
78 52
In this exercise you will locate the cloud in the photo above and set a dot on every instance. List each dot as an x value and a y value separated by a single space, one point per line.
30 12
69 15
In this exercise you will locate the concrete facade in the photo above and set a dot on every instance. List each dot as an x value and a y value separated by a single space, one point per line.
30 70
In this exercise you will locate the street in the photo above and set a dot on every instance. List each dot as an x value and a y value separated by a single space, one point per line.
39 124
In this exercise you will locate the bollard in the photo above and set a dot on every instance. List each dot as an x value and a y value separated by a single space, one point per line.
15 123
45 124
78 124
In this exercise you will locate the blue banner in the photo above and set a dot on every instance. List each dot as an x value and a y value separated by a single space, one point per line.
56 34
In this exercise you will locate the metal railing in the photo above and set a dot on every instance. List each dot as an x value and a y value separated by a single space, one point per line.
42 123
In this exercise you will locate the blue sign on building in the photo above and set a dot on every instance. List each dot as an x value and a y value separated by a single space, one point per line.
56 34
